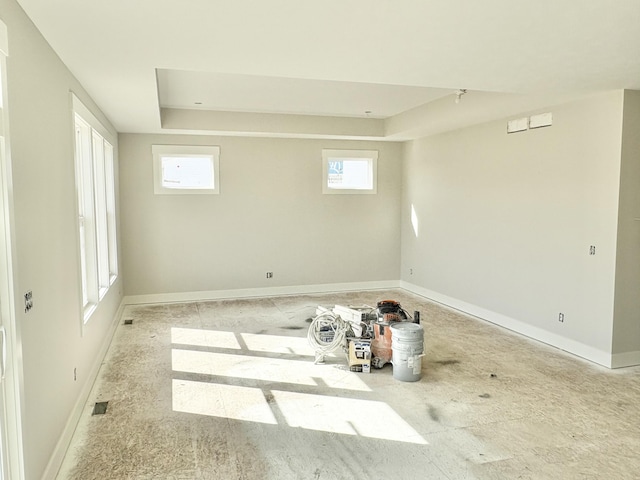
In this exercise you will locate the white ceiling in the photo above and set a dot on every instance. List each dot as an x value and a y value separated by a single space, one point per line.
337 57
255 93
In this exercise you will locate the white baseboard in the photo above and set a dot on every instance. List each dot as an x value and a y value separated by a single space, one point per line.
576 348
258 292
64 441
557 341
626 359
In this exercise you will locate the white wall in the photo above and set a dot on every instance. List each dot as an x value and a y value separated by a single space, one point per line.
271 215
506 221
626 331
44 195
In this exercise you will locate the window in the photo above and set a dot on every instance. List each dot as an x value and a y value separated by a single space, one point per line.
185 169
349 171
95 182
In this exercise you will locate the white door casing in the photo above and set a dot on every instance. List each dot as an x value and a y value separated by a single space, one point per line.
11 453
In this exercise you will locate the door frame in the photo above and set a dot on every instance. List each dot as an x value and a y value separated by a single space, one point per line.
12 446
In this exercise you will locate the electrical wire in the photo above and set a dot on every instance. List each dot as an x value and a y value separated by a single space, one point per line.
321 328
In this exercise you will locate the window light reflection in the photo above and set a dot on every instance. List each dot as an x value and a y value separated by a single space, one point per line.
348 416
265 369
414 220
278 344
204 338
225 401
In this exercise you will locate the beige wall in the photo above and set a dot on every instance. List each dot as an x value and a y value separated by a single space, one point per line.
46 244
271 215
626 331
506 221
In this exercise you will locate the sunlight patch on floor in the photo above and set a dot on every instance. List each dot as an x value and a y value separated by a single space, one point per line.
349 416
327 413
264 368
198 337
226 401
278 344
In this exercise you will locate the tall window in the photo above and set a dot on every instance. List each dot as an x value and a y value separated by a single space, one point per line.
95 181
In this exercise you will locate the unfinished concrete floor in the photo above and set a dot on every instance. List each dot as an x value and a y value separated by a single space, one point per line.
228 390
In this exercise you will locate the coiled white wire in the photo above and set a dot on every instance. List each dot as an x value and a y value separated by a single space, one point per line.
335 324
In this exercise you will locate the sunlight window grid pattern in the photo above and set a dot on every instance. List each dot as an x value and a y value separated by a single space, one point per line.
327 413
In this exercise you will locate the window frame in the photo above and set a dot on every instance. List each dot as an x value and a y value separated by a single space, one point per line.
329 155
86 215
163 151
94 158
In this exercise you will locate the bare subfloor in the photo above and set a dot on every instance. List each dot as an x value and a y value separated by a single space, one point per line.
228 390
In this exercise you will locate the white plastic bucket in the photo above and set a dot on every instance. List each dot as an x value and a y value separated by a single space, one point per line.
407 343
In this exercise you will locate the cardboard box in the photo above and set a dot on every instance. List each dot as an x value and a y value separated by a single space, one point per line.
360 355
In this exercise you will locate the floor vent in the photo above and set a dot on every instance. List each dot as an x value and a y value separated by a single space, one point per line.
100 408
128 321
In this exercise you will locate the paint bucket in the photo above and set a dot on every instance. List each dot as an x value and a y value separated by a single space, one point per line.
407 342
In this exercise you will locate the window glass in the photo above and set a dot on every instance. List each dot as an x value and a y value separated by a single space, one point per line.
187 172
95 185
349 171
186 169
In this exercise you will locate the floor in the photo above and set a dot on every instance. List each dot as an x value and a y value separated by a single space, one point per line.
229 390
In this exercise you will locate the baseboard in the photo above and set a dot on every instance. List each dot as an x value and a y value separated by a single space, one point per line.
60 450
626 359
557 341
259 292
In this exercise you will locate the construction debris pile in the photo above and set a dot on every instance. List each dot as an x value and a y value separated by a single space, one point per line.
370 337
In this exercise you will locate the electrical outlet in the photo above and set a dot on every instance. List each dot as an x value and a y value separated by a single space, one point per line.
561 317
28 301
411 271
592 250
269 274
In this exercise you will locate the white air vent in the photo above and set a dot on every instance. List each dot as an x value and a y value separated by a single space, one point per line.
518 125
542 120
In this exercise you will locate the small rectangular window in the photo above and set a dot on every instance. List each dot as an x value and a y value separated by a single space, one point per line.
184 169
349 171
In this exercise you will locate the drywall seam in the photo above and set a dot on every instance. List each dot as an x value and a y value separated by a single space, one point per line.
576 348
59 452
258 292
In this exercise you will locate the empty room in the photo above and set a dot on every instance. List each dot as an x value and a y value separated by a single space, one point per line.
222 223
